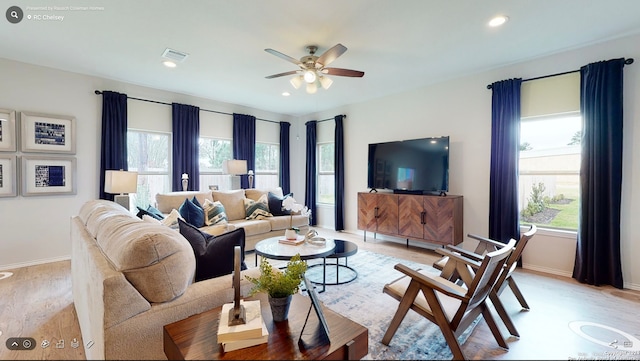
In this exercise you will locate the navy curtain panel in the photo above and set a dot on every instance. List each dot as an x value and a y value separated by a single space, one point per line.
285 173
339 172
244 143
186 133
503 178
310 182
113 155
598 249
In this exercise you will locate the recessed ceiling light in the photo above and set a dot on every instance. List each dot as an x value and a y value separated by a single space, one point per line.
498 20
169 64
285 94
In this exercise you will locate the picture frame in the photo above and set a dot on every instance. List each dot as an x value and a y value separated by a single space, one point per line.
47 133
323 326
45 176
8 138
8 176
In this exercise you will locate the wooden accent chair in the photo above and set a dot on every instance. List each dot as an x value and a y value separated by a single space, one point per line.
450 306
506 278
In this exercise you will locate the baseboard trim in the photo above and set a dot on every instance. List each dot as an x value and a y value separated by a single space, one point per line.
552 271
33 263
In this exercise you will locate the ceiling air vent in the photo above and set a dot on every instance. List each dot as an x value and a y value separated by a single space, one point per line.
174 55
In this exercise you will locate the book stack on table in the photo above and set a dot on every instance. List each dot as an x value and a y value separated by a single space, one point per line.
293 242
253 332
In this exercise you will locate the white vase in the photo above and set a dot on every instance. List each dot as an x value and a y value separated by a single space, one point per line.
185 184
290 234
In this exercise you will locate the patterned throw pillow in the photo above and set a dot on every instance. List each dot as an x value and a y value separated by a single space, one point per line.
257 209
171 220
214 213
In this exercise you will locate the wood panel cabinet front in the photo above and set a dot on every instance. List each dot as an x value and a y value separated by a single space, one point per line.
427 218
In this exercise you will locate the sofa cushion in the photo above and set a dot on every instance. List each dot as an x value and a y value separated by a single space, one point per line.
253 227
214 254
284 222
255 194
257 209
157 261
192 212
233 202
165 202
214 213
275 204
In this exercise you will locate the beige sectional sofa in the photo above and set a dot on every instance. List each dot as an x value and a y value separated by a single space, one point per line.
233 202
130 278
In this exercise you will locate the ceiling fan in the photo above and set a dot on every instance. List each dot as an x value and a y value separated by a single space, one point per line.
313 69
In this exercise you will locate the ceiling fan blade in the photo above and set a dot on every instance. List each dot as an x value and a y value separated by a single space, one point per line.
282 74
283 56
343 72
331 54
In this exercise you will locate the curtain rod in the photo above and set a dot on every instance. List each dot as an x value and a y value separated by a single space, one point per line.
627 61
98 92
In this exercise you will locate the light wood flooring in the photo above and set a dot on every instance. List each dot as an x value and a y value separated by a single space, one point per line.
37 302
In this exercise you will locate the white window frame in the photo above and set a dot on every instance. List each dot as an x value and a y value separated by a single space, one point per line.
321 172
169 161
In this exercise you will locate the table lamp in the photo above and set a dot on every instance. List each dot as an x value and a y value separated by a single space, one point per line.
120 182
235 167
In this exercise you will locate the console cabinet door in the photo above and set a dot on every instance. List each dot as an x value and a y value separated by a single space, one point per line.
443 219
411 210
378 212
367 203
388 213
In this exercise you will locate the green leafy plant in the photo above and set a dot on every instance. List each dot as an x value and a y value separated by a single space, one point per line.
277 283
536 202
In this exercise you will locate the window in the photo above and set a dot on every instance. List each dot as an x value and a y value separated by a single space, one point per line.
549 169
326 173
149 154
267 166
212 153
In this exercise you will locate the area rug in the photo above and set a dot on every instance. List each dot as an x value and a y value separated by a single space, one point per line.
362 301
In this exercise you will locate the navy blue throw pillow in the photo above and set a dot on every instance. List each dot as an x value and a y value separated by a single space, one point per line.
151 212
275 204
214 254
192 213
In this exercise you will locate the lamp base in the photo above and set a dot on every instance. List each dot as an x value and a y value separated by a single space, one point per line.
122 199
235 182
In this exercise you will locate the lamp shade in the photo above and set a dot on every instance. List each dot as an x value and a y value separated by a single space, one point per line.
234 167
120 181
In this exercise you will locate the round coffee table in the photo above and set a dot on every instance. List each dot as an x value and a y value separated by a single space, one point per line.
343 249
271 248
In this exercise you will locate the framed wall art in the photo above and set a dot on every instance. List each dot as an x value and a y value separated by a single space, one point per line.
43 176
8 130
47 133
8 176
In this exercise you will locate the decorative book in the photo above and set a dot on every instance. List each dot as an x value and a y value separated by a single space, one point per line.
250 330
293 242
236 345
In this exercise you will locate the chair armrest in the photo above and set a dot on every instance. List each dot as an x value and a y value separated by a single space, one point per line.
459 257
466 253
486 240
437 283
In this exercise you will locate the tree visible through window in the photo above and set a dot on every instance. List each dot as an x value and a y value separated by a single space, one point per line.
326 173
267 166
213 152
148 153
550 171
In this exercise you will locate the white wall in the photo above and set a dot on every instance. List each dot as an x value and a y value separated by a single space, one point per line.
461 108
36 229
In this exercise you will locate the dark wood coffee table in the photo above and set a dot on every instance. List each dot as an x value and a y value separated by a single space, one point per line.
195 337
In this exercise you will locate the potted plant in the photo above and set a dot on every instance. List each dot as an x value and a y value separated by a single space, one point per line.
279 286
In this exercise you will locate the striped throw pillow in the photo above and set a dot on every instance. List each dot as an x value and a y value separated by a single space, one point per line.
214 213
257 209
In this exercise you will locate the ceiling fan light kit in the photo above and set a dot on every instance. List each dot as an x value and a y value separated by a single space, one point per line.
313 68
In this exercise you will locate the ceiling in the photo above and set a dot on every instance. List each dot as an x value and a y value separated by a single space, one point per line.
400 45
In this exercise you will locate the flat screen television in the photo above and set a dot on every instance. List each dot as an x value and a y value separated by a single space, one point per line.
415 166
